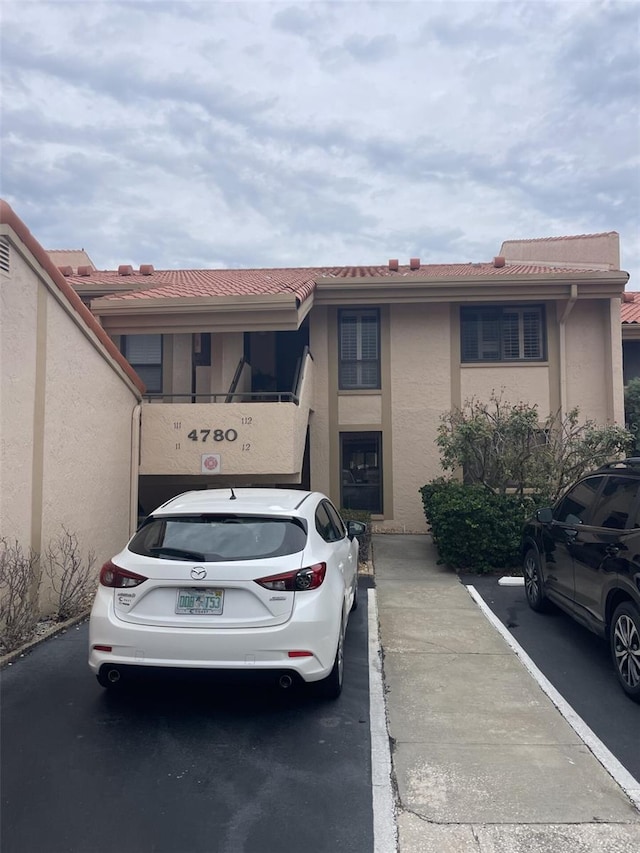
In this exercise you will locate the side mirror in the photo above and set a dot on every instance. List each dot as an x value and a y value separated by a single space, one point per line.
356 528
545 515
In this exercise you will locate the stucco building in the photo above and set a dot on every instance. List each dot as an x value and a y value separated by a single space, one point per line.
336 377
69 410
333 378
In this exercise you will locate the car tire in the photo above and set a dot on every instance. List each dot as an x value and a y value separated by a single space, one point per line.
624 637
331 686
354 604
533 587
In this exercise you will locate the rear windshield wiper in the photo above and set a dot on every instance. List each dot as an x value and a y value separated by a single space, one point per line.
179 553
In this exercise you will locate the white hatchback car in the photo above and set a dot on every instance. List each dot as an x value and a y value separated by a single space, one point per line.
238 580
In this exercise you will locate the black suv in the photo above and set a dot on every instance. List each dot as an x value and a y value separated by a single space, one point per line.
584 555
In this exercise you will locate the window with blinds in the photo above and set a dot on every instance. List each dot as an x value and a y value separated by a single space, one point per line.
359 344
144 354
510 333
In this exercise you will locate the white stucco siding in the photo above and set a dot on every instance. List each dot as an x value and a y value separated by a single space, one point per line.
87 440
232 351
359 409
588 363
216 378
181 365
420 393
18 306
243 438
528 383
65 423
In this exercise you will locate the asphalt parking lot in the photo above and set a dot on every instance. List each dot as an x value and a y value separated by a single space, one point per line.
183 764
575 661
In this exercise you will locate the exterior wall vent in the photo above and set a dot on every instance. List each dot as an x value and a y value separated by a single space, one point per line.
125 269
66 271
499 261
414 264
146 269
4 255
84 270
393 264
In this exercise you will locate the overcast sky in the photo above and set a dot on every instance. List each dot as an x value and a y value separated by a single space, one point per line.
226 134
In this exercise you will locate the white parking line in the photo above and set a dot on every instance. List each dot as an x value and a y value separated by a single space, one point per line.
385 832
627 782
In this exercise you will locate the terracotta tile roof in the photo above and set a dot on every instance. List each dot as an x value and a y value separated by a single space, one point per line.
300 281
446 271
630 309
178 284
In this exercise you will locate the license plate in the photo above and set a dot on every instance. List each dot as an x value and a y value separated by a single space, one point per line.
199 602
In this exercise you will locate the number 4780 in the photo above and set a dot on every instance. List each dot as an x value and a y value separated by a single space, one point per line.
213 434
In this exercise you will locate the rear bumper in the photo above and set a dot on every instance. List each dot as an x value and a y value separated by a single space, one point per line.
131 675
257 650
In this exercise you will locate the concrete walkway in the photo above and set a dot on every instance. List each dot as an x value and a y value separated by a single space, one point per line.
482 759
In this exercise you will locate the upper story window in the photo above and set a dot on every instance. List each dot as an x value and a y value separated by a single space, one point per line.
144 354
509 333
359 343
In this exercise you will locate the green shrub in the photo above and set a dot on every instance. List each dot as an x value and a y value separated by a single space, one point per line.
507 452
474 528
510 447
365 540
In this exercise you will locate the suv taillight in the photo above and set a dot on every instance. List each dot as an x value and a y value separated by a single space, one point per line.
112 575
299 580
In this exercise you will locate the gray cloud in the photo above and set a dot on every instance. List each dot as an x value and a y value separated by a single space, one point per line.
297 20
599 59
371 50
126 80
192 134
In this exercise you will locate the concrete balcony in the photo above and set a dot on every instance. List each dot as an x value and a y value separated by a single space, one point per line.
252 434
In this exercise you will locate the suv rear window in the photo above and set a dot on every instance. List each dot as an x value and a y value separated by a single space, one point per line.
214 538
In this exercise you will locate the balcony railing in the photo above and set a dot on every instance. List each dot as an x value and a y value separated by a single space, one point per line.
232 395
232 433
226 397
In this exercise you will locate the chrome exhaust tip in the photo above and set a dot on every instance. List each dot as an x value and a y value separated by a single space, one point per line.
113 675
285 681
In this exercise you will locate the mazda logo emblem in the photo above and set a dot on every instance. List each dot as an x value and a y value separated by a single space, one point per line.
198 574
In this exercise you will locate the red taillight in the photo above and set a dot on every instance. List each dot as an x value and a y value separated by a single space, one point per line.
112 575
299 580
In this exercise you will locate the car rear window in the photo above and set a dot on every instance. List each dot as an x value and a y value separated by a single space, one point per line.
213 538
